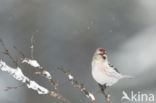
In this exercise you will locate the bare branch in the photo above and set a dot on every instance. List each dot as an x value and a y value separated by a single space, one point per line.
42 72
20 52
76 84
58 96
9 88
18 75
6 51
32 45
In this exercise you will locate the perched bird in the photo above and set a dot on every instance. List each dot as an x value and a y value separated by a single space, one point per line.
104 73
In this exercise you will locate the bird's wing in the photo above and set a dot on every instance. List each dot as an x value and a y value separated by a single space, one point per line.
114 68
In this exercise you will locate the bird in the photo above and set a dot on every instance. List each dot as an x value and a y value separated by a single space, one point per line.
103 72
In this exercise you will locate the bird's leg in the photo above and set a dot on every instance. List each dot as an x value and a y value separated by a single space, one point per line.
103 87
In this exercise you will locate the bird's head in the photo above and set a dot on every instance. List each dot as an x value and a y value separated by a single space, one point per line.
101 52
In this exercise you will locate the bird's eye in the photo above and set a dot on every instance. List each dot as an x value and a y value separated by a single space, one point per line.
104 57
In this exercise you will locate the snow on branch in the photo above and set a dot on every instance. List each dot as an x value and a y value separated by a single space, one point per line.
76 84
34 63
42 72
18 75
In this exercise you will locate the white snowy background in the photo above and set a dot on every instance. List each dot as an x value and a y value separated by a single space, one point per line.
68 32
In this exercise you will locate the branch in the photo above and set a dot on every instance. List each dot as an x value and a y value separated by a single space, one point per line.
76 84
6 52
9 88
32 45
106 97
42 72
18 75
34 63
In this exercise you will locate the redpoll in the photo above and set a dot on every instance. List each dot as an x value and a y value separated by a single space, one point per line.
104 73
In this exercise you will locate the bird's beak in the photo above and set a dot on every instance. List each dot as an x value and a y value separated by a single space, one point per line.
104 54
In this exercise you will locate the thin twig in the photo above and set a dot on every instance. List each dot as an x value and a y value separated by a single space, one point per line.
20 52
42 72
76 84
58 96
6 52
47 75
9 88
32 45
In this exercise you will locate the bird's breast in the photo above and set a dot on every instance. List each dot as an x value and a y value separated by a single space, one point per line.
99 71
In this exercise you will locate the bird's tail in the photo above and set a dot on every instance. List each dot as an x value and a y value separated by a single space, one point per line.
127 76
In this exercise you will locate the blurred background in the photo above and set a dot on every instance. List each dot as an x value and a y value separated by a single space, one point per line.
68 32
